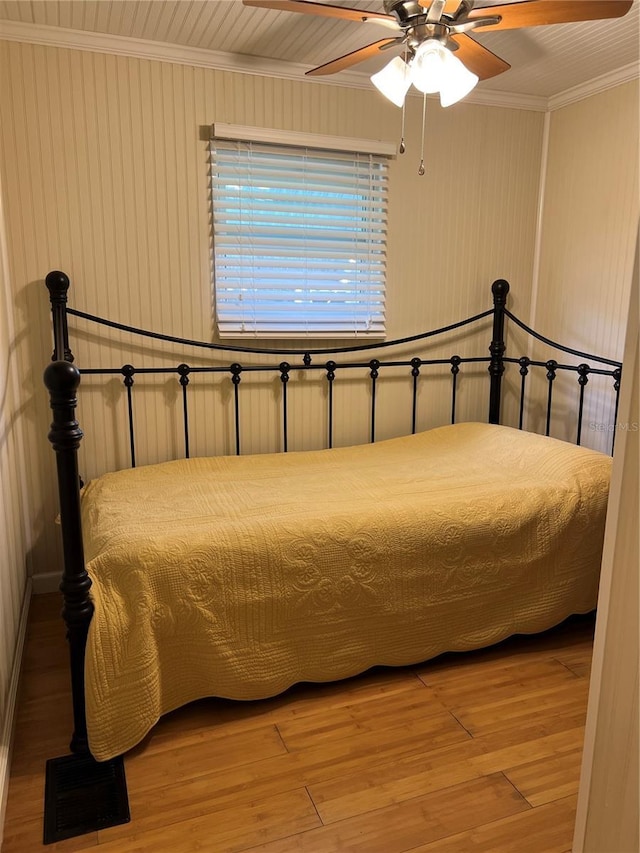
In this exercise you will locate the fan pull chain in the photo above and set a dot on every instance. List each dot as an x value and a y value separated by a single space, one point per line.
424 113
402 147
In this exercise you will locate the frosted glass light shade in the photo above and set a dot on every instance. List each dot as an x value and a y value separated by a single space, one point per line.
393 80
428 68
457 81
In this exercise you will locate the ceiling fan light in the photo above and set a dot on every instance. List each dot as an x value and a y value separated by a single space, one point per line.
428 69
393 80
457 82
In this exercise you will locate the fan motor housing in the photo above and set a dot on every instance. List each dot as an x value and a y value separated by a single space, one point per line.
404 10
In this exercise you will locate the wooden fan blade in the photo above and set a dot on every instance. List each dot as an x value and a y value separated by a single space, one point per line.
534 13
477 58
450 7
322 9
352 58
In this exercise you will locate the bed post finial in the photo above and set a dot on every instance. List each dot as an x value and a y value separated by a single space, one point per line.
499 289
62 380
58 284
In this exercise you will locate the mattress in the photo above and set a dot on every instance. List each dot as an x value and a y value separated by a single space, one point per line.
237 577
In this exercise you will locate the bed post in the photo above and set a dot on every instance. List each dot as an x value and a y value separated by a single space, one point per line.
81 795
62 379
499 289
58 284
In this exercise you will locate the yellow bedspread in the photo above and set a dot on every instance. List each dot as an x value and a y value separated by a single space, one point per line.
239 576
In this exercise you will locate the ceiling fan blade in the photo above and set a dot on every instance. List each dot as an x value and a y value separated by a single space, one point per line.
380 22
534 13
478 58
322 9
450 6
352 58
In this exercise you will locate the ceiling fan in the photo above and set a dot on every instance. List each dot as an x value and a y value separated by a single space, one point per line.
438 54
443 26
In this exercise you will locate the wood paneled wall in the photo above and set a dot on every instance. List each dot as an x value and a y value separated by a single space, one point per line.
105 168
590 220
14 532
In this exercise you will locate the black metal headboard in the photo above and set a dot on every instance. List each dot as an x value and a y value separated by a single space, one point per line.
336 362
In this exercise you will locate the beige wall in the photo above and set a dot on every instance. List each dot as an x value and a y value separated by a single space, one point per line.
586 270
106 178
14 533
589 227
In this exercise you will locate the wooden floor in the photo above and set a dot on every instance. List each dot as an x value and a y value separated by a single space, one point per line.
469 753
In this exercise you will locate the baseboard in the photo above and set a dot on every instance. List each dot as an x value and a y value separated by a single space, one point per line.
12 701
46 582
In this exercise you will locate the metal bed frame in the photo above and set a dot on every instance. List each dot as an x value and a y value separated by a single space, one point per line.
69 775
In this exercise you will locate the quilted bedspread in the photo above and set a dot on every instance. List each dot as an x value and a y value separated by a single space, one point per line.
239 576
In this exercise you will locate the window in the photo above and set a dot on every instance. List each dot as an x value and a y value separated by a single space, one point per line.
299 234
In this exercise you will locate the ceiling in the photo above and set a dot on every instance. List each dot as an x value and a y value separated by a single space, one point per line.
545 60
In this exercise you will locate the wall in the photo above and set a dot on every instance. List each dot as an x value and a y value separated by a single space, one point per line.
106 179
586 273
14 534
589 227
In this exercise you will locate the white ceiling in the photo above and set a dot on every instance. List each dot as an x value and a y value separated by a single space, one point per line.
545 60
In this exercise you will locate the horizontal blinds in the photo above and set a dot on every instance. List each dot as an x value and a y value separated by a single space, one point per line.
299 239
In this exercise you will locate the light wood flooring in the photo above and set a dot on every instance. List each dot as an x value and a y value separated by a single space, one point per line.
466 754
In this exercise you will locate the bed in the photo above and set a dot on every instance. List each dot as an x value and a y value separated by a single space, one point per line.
240 575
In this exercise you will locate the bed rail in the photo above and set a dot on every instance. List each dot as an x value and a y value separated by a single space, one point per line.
552 367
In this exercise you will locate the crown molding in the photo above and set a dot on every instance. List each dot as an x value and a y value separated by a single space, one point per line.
595 86
85 40
510 100
158 51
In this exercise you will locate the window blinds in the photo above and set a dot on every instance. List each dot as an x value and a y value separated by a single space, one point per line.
299 239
